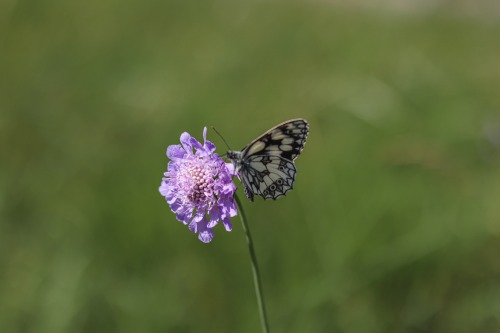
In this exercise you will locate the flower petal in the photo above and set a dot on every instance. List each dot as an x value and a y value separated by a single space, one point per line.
206 236
230 169
209 146
200 150
227 224
186 142
175 152
163 189
198 216
215 216
193 226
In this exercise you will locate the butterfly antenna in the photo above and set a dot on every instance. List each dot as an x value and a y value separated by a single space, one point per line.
229 148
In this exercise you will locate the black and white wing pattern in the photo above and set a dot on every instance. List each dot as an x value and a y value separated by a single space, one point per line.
266 166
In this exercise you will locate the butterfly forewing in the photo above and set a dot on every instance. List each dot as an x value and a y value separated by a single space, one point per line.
285 140
266 165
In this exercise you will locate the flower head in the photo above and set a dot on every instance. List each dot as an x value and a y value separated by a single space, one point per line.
198 186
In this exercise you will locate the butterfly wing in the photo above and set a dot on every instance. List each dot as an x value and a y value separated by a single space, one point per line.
268 176
267 167
285 140
247 179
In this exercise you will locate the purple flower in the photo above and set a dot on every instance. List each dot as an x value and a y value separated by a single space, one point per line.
198 186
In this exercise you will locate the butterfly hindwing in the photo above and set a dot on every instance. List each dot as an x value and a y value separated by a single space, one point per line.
266 166
270 176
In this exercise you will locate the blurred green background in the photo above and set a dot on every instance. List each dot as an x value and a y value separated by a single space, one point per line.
394 223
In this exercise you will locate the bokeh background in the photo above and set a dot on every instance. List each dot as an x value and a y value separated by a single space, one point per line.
394 223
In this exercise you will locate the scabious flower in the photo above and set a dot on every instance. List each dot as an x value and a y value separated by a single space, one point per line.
198 186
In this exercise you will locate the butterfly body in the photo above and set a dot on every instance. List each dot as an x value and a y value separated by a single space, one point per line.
266 166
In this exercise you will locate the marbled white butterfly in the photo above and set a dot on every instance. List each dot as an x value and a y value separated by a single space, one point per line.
266 166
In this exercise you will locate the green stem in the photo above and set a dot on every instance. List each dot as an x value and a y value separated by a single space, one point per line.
255 268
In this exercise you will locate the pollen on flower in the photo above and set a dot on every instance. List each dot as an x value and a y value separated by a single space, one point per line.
198 186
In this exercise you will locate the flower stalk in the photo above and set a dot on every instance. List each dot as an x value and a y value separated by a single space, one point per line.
255 268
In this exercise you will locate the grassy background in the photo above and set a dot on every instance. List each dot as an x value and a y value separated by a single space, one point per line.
394 223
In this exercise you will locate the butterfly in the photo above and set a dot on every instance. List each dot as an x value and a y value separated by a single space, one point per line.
265 166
